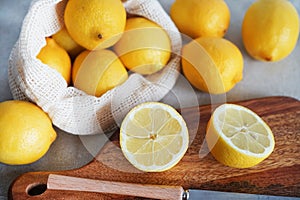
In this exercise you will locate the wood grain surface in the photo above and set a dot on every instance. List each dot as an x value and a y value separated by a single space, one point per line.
279 174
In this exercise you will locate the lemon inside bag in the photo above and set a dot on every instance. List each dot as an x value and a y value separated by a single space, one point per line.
153 137
238 137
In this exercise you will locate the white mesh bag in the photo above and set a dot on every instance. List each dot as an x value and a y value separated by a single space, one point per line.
71 109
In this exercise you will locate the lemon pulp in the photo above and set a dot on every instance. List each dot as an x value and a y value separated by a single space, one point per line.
153 137
238 137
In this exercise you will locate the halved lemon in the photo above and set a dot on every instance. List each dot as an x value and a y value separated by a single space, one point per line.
238 137
153 137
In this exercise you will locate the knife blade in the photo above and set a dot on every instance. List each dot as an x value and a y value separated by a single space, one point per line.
62 182
194 194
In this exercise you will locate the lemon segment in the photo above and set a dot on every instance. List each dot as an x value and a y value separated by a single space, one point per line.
238 137
153 137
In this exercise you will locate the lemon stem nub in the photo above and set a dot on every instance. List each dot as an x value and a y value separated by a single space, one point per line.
244 130
153 136
99 36
268 59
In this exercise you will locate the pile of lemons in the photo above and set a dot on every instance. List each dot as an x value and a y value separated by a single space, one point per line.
99 45
104 45
94 51
153 136
215 65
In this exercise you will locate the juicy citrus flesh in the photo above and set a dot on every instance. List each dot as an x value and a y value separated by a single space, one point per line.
96 72
201 18
144 47
268 34
153 137
95 24
212 64
57 58
26 132
63 39
238 137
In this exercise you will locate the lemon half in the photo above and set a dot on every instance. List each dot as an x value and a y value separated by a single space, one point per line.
154 137
238 137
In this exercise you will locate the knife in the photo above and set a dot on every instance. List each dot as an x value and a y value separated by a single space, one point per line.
62 182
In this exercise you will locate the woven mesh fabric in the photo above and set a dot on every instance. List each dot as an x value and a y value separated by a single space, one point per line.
71 109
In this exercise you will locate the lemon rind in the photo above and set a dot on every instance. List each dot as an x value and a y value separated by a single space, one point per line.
177 157
218 129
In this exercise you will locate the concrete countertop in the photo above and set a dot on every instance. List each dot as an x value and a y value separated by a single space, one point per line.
68 151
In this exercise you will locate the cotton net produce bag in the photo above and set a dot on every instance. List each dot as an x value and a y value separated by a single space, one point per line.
71 109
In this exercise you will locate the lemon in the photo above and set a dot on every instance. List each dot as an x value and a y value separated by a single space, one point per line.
270 29
96 72
56 57
95 23
212 64
63 39
238 137
201 18
153 137
145 47
26 132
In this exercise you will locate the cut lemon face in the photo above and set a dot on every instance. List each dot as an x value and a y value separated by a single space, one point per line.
153 137
238 137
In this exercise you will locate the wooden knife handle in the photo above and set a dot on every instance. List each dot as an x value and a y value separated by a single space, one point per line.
61 182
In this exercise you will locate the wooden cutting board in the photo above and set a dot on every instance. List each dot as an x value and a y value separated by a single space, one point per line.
279 174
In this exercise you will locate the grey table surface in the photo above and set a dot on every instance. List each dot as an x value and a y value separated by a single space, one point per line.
68 151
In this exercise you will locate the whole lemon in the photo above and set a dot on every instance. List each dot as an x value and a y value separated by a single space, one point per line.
26 132
56 57
96 72
270 29
201 18
212 64
145 47
63 39
95 23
